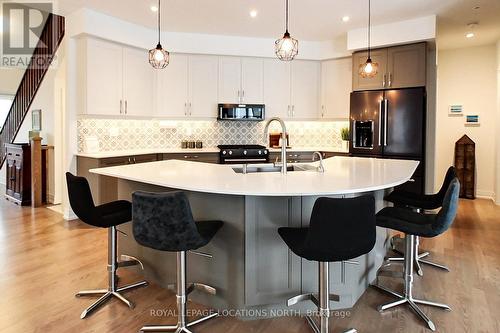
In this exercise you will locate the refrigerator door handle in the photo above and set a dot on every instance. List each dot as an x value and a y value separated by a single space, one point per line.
385 121
354 133
380 123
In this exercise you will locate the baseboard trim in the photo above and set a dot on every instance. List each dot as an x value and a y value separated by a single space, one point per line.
486 195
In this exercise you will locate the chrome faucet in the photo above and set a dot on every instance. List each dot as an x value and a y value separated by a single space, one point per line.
321 168
283 140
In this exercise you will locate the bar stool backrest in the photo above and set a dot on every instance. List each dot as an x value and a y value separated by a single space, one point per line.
341 229
80 198
448 212
164 221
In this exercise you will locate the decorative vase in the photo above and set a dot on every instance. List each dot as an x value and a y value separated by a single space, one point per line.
345 145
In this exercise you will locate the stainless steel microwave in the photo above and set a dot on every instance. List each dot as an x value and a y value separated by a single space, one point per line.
249 112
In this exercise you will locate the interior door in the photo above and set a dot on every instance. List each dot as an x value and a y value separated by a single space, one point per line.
277 88
203 76
139 83
252 80
305 80
404 119
366 106
173 87
230 80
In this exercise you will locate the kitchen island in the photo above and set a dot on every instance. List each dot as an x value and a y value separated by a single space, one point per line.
252 268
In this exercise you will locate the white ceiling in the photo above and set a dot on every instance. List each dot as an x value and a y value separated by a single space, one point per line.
309 19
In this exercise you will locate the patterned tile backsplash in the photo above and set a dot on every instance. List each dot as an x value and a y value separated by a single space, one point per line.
124 134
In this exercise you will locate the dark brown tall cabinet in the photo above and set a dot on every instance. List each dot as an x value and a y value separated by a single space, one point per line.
465 164
18 173
398 67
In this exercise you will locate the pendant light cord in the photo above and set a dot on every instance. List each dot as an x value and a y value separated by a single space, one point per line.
159 21
286 15
369 26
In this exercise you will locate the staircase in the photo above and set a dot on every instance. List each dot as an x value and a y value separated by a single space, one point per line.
50 39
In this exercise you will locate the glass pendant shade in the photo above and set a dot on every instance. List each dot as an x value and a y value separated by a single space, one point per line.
286 48
368 69
158 57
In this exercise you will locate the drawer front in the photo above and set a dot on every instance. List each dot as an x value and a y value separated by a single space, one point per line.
123 160
294 157
201 157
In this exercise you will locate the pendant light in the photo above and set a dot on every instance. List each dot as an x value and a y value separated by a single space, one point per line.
158 57
286 48
369 68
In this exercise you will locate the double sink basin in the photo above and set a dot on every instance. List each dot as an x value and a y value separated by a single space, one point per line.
274 168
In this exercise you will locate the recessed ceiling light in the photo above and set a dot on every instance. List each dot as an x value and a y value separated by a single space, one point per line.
469 35
346 19
154 8
253 13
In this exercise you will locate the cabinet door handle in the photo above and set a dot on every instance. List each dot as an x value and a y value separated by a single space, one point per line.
185 108
129 161
134 160
383 82
242 96
293 110
390 80
379 122
190 108
121 105
239 96
322 111
386 113
126 106
288 111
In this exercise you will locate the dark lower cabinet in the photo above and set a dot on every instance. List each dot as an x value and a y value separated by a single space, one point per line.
18 173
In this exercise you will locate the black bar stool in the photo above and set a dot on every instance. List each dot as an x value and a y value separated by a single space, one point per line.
415 224
164 221
339 230
419 202
107 216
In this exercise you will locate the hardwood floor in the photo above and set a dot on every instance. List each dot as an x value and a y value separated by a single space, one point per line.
44 260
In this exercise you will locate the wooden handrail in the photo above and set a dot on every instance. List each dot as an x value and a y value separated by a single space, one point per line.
50 39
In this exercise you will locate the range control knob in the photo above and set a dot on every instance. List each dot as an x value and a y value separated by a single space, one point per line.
260 152
265 151
224 152
245 152
230 152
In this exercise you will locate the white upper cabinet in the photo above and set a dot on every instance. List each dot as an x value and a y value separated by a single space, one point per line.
139 83
277 88
336 83
118 80
173 86
229 80
305 82
241 80
203 75
252 80
103 78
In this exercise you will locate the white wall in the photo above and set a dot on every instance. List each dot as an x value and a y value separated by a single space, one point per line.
468 76
396 33
9 80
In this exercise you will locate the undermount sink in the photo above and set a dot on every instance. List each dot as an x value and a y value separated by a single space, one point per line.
272 168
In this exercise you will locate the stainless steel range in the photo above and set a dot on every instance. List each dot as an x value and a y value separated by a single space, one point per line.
235 154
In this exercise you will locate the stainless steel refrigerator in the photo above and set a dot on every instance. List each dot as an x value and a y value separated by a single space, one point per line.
390 124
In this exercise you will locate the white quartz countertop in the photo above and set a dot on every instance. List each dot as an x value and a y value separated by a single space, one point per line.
131 152
343 175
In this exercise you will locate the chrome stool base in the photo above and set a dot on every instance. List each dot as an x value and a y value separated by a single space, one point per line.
395 243
322 301
182 292
407 296
113 290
